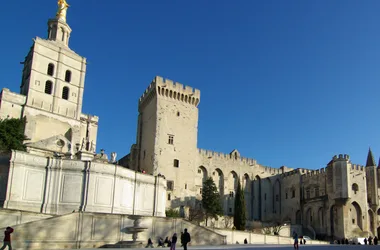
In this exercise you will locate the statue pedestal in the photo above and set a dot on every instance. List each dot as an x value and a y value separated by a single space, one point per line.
85 156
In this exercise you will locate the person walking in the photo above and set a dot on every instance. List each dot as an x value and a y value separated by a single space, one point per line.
7 238
186 239
174 241
295 237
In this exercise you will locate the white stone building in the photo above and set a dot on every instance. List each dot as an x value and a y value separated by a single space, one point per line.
61 172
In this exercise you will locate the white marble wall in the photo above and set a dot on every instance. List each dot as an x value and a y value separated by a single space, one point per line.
56 186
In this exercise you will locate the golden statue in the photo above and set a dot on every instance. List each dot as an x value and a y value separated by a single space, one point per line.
62 10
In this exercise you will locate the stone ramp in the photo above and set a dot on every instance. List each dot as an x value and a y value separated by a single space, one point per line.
94 230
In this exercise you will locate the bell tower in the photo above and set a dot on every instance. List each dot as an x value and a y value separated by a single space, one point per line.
53 83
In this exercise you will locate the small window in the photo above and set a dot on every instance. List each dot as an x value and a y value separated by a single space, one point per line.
200 190
286 195
50 70
353 221
170 185
65 93
199 171
185 186
144 154
178 113
48 87
169 197
230 209
231 194
293 193
276 197
176 163
68 76
355 188
171 139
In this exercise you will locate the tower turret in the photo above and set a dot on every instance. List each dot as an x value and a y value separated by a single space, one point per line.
58 30
371 173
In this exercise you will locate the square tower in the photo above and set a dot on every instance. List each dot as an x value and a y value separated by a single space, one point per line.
167 132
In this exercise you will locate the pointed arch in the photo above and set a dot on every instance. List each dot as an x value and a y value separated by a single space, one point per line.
356 215
257 202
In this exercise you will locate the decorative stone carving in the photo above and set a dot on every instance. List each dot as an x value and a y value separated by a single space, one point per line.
113 157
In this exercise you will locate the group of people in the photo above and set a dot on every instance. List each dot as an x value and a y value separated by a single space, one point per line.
171 242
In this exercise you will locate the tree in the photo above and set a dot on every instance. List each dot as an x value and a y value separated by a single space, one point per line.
12 135
228 221
173 213
196 212
239 215
211 200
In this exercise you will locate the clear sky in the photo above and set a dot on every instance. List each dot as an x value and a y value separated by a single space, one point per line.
285 82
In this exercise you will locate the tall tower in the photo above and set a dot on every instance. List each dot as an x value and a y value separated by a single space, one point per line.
167 134
52 85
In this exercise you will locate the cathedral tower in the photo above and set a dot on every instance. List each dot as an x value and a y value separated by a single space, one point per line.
167 133
52 86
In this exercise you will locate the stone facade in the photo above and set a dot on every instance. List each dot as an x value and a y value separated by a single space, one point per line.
59 186
323 202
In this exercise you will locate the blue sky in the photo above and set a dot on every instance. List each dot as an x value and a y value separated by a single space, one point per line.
284 82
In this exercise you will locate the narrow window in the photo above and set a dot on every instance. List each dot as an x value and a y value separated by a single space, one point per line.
185 186
276 197
48 87
293 193
286 195
178 113
170 185
169 198
144 154
65 93
50 70
200 191
171 139
176 163
68 76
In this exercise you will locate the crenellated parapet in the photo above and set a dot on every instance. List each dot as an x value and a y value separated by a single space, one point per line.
169 89
341 157
311 174
357 168
226 157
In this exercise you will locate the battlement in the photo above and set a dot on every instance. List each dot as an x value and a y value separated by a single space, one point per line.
291 173
341 157
177 91
217 155
173 90
314 173
357 167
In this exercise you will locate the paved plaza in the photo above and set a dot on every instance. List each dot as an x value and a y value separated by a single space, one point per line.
267 247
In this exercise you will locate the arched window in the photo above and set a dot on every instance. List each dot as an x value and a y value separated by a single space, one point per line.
68 76
50 70
355 188
48 87
65 93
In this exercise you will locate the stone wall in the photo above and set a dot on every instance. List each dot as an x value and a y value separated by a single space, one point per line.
234 236
92 230
58 186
